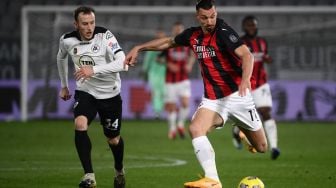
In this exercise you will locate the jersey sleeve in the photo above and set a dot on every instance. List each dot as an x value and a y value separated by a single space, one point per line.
183 38
229 37
114 55
62 63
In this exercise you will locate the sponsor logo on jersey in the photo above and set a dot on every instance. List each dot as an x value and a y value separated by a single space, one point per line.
95 48
86 60
204 52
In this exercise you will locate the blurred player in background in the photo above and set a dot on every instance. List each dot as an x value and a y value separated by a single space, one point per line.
155 75
262 94
98 58
179 62
226 66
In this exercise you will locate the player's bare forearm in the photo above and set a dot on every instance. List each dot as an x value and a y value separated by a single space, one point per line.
247 67
153 45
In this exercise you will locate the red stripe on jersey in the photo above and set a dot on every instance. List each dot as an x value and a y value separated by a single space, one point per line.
258 47
220 68
178 56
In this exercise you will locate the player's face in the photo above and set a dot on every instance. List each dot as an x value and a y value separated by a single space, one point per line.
207 19
177 29
250 27
85 25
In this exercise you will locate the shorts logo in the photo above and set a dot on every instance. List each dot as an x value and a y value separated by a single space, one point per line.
111 126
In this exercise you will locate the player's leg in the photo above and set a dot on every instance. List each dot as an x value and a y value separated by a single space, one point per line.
271 130
185 92
171 109
84 112
243 112
110 112
202 122
263 100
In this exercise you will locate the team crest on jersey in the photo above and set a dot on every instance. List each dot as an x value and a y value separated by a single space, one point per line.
75 51
95 48
233 38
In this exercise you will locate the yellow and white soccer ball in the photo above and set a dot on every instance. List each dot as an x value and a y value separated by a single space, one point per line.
251 182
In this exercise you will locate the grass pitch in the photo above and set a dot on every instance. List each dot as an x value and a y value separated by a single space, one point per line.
41 154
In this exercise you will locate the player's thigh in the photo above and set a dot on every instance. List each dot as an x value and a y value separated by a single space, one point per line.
85 109
209 114
110 113
203 121
262 96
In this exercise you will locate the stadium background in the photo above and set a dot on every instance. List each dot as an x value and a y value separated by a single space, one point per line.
301 42
40 153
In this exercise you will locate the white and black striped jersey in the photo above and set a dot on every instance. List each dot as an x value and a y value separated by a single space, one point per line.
103 52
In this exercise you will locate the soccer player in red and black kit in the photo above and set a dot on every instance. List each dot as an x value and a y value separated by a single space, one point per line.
226 66
262 94
179 62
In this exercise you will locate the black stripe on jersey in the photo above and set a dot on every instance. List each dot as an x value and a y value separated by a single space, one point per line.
217 90
231 59
120 50
76 34
72 34
260 69
259 44
224 75
99 30
249 44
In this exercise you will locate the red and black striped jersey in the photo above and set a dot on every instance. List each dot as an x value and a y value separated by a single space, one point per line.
258 47
178 56
221 68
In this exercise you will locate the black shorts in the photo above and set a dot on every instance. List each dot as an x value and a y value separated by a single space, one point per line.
109 111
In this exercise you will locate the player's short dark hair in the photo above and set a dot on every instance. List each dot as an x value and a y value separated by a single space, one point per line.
205 4
248 18
84 10
178 23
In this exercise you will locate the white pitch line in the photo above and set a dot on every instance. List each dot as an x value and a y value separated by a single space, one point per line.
167 162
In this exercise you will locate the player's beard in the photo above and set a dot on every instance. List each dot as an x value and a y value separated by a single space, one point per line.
253 35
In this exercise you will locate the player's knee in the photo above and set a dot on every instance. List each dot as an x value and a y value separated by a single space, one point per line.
81 123
261 147
113 141
196 131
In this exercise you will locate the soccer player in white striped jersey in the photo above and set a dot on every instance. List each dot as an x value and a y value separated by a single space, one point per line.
98 59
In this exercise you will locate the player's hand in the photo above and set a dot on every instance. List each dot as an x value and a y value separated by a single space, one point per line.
83 73
131 57
244 87
64 94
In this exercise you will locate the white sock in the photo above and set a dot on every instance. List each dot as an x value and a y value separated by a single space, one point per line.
206 156
183 115
172 121
271 133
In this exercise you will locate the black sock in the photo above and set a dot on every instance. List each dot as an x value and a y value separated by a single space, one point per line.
83 146
118 154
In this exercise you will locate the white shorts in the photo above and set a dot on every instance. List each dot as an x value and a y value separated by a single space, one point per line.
239 109
176 90
262 96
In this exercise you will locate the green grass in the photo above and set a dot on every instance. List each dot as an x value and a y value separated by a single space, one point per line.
41 154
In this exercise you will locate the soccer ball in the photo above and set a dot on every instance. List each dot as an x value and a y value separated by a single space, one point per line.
251 182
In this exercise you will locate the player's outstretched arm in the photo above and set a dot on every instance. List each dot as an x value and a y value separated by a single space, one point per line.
247 59
153 45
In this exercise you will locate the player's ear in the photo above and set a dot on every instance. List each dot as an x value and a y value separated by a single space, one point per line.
75 25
